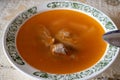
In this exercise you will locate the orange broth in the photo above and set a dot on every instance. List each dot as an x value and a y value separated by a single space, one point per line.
91 45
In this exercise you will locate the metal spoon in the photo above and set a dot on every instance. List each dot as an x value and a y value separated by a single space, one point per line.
112 37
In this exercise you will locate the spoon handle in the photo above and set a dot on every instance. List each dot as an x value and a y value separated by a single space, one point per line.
112 37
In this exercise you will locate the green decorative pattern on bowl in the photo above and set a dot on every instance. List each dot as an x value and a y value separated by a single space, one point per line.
11 33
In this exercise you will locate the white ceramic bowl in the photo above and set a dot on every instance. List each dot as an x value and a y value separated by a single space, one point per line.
9 41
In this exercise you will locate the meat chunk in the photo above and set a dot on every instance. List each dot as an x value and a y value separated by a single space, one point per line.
67 38
58 49
48 40
61 44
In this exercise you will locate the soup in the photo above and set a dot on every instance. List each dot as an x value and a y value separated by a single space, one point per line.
61 41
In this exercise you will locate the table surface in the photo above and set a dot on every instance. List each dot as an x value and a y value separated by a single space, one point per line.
10 8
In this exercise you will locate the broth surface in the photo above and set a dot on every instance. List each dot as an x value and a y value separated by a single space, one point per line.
88 32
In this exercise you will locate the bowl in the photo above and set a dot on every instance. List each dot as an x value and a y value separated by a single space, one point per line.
10 49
